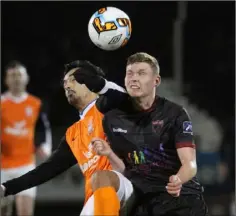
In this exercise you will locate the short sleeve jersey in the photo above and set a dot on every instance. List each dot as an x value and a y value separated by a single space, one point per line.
79 137
18 120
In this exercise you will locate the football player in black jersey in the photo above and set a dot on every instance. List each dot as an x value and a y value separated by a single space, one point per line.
153 136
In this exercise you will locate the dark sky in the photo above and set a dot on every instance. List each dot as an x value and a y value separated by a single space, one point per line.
46 35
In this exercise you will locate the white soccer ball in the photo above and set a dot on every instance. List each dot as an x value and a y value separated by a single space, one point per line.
109 28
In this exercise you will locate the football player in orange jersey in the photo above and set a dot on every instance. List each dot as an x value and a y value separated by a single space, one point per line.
20 111
76 148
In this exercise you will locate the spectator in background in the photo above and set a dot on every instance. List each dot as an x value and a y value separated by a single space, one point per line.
20 111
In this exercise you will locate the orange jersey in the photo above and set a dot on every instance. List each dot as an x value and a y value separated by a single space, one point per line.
18 120
79 137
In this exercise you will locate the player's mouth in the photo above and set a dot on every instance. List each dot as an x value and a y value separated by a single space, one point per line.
70 93
134 87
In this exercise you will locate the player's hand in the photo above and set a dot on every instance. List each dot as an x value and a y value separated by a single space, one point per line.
174 186
101 147
88 74
2 191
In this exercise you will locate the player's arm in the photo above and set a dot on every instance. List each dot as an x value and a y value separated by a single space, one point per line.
45 144
61 160
116 162
185 147
101 147
93 77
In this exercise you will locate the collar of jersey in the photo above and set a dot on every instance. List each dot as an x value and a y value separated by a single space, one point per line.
83 113
15 99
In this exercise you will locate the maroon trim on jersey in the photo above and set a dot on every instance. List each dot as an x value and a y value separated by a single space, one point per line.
185 144
154 105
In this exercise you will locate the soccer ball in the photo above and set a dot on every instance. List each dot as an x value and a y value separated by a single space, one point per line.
109 28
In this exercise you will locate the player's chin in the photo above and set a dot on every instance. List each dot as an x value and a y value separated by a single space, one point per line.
71 100
135 93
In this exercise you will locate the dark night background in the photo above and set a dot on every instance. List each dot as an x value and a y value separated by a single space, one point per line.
46 35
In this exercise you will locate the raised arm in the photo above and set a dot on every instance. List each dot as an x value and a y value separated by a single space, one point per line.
112 95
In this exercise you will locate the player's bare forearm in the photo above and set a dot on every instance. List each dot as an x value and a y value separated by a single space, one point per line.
116 163
187 171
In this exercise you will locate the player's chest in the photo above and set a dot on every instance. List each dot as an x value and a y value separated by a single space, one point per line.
81 139
13 113
141 131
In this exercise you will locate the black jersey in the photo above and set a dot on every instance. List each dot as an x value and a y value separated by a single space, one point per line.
148 140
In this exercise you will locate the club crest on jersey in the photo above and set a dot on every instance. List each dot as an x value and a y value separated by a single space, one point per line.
28 111
157 125
187 127
90 126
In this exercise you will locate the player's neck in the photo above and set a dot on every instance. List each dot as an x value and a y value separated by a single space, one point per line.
17 93
144 103
86 101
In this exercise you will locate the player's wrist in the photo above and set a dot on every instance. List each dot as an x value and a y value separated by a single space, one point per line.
110 154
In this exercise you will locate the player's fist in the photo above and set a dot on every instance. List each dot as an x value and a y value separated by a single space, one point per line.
88 74
174 186
101 147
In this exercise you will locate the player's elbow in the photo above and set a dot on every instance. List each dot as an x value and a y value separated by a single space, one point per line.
194 172
192 168
120 168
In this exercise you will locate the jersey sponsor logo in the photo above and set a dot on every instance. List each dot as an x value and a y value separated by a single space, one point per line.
187 127
90 164
89 153
119 130
18 129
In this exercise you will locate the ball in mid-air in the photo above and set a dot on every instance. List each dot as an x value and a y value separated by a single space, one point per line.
109 28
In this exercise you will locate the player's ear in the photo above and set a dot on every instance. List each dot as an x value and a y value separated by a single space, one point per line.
158 81
27 79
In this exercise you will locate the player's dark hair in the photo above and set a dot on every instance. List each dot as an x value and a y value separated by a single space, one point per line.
14 64
144 57
81 64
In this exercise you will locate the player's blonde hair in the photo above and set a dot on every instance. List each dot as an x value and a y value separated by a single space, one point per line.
144 57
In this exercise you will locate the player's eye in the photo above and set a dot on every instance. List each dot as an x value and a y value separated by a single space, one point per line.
142 73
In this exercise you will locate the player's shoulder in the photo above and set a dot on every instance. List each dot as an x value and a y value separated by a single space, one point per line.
113 114
73 127
34 99
171 108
